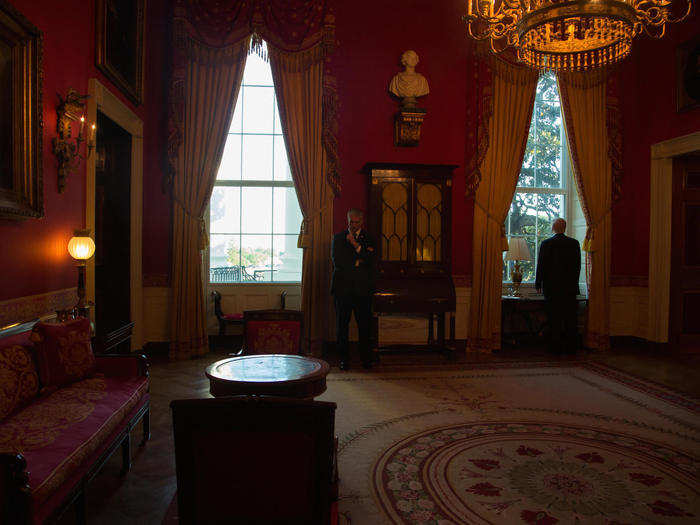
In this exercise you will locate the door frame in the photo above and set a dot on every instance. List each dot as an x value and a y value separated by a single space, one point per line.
660 218
111 106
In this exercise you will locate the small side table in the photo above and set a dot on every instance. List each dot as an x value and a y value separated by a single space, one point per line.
268 374
524 319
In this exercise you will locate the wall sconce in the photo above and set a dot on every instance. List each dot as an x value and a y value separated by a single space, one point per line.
81 247
67 151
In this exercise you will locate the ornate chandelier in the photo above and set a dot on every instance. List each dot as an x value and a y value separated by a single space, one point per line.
568 35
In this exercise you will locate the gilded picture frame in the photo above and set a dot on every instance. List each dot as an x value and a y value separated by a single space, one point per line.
21 182
688 75
119 37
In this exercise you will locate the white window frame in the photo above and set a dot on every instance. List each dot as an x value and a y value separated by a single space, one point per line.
249 183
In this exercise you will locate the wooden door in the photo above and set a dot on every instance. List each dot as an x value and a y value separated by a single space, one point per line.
685 255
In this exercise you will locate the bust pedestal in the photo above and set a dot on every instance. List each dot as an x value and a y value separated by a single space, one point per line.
407 123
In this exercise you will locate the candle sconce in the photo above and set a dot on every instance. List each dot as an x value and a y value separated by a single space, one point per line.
67 150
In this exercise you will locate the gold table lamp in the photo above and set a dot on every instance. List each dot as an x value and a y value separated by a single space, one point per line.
517 251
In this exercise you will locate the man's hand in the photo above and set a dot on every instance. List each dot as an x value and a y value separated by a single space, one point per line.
538 289
351 239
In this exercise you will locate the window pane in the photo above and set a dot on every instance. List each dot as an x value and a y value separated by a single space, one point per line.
523 211
286 259
287 214
257 157
549 207
278 123
224 257
225 210
230 167
255 257
237 114
257 109
257 210
282 171
257 71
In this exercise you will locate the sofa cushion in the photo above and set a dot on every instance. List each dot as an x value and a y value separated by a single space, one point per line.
63 352
59 432
19 381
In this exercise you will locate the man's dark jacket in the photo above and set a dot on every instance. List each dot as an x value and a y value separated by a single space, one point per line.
558 266
353 272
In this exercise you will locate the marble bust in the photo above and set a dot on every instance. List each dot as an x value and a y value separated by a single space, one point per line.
408 84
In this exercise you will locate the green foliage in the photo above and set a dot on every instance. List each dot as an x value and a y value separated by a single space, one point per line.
250 257
531 215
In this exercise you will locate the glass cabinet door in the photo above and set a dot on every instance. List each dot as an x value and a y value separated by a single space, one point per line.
395 221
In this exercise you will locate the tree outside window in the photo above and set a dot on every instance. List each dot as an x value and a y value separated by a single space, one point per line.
544 189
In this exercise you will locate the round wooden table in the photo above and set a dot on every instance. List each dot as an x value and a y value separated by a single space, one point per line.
268 374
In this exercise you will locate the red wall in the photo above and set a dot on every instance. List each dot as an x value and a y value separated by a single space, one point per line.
371 37
648 84
35 259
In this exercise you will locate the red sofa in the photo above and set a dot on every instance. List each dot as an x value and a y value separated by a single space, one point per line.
55 441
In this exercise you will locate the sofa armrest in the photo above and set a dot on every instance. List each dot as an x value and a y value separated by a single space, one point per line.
15 495
115 365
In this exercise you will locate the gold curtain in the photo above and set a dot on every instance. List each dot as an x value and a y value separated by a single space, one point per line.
299 87
211 83
584 103
512 98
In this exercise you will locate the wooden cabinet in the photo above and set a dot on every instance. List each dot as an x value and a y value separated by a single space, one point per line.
409 217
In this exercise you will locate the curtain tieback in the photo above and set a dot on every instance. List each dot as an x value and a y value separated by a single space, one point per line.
203 237
501 225
589 242
304 239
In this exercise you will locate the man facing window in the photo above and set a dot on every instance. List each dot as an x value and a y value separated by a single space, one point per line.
558 268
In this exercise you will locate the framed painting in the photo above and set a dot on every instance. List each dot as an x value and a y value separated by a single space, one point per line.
21 183
688 75
119 44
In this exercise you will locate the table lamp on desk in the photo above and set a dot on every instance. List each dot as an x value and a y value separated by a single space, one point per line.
517 251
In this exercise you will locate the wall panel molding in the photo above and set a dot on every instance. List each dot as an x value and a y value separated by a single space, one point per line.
22 309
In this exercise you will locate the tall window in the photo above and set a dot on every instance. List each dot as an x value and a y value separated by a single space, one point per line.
254 211
545 188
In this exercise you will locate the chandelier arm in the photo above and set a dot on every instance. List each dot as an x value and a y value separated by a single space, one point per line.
653 35
687 12
476 37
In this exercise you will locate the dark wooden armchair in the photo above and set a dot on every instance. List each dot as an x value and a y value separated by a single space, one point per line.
272 332
224 319
254 460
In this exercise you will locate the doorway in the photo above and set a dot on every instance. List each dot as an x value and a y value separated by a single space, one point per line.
112 235
684 328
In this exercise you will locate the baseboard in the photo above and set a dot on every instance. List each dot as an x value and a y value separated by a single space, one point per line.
629 341
158 349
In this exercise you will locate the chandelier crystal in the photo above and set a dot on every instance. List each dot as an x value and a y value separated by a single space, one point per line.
566 35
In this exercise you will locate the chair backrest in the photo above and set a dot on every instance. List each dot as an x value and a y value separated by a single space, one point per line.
272 331
217 304
253 460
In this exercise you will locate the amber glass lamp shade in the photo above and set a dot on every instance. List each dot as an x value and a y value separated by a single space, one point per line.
81 246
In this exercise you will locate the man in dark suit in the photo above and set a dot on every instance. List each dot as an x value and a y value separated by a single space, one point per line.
558 268
352 285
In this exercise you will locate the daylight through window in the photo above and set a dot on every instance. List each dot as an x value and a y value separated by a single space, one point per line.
254 211
545 187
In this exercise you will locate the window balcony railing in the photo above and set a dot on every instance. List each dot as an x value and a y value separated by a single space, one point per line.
231 274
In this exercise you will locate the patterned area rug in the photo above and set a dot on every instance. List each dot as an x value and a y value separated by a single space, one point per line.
534 443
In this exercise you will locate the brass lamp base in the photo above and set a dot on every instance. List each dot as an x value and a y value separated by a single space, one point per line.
517 277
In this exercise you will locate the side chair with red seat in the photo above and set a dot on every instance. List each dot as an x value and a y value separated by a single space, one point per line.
272 332
224 319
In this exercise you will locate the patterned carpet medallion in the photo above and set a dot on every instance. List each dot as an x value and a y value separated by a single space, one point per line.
536 444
